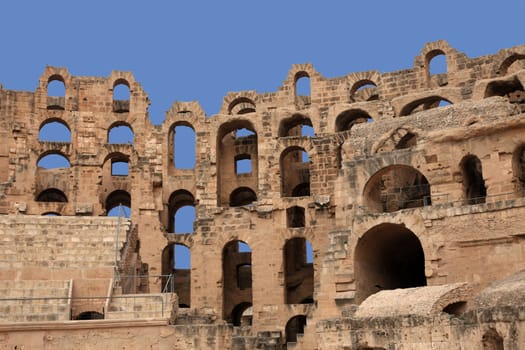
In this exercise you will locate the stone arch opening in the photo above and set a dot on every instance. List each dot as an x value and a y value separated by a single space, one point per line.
512 64
53 160
118 203
241 105
436 62
511 89
121 96
234 254
182 146
295 172
347 119
409 140
473 182
56 92
294 326
295 217
364 90
296 125
90 315
181 212
298 271
243 164
424 104
176 272
120 133
54 130
388 256
235 139
491 340
396 187
51 195
242 196
302 89
242 315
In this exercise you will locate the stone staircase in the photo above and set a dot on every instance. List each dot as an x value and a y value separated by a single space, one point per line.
34 300
140 306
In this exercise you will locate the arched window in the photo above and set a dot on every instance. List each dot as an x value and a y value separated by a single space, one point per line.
295 172
120 134
242 196
296 125
388 256
181 212
295 326
54 130
183 147
512 89
302 89
176 262
395 188
473 182
518 164
299 271
364 90
118 203
53 161
491 340
241 105
121 96
424 104
347 119
236 280
56 92
437 62
51 195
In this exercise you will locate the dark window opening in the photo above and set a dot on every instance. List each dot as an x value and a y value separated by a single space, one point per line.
90 315
237 282
348 119
242 196
294 327
52 195
473 182
298 268
295 173
295 217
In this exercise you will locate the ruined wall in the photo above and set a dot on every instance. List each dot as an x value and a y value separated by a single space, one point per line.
424 168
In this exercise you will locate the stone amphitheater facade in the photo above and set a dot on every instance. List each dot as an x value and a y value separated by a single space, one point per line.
374 211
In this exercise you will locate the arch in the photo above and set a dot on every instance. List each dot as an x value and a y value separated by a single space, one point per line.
56 92
294 326
239 315
295 217
364 90
436 62
120 133
302 89
236 299
121 96
242 196
473 182
510 88
423 104
51 195
176 262
518 167
294 125
347 119
491 340
396 187
388 256
116 199
241 105
236 140
515 59
54 130
53 160
178 200
298 271
295 172
182 146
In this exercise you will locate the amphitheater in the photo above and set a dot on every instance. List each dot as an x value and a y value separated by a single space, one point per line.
367 211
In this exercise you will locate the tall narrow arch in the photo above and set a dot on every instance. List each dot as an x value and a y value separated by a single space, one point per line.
302 89
473 181
56 92
295 172
396 187
388 256
518 167
298 271
234 254
176 272
293 327
182 146
121 96
181 212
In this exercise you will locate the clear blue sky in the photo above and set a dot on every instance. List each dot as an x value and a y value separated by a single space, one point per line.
200 50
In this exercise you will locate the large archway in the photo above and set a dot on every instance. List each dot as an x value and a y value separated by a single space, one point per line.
236 280
388 256
396 187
